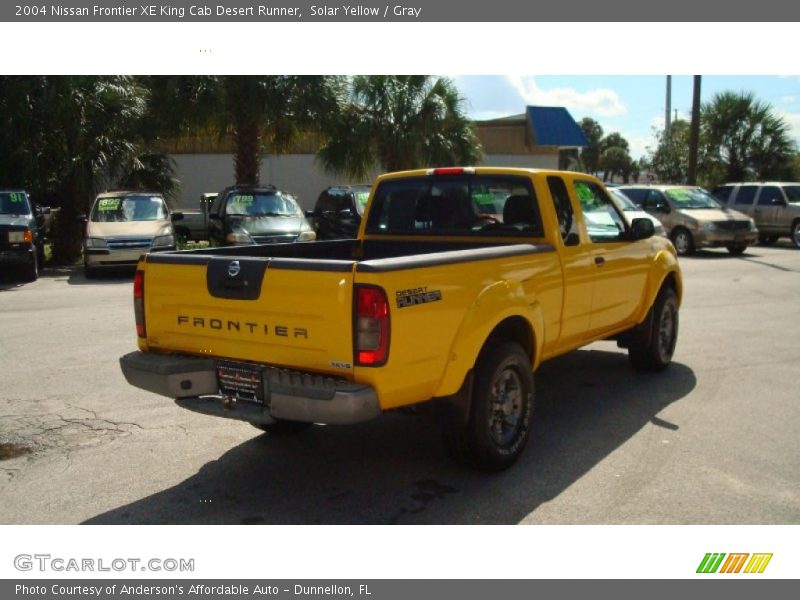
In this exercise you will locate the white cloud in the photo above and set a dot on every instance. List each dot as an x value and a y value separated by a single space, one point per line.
603 102
788 100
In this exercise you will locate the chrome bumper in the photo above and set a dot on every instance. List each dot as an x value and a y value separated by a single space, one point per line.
288 395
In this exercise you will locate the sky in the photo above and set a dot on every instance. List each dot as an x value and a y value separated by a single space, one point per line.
629 104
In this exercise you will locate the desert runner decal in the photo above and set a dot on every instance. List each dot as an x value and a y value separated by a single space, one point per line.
420 295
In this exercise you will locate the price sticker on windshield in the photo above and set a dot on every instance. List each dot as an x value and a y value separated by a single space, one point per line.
679 195
108 204
16 197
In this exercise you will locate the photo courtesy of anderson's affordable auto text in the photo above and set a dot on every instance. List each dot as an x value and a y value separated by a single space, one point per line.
444 302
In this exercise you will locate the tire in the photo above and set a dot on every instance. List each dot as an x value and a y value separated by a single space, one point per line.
682 240
795 237
31 272
283 428
767 240
736 250
89 272
653 344
501 412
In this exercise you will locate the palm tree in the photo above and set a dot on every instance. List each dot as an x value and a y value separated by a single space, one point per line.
742 139
397 123
73 136
258 111
590 155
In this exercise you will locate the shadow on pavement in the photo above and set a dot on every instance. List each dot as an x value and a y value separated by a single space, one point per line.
395 470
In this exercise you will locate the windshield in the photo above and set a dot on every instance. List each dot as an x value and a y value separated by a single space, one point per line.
14 203
129 208
688 198
261 205
792 192
624 202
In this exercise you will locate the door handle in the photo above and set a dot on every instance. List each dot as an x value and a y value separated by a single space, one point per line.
599 261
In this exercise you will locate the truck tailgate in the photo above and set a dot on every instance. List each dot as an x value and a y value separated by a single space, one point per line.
283 312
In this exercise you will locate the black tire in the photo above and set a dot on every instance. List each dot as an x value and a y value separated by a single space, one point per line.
682 240
795 236
283 428
31 272
736 250
501 411
767 240
653 344
89 272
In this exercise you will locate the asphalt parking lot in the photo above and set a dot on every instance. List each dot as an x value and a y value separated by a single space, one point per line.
713 439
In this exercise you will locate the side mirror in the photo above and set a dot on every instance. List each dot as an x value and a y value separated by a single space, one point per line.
346 212
641 229
213 216
662 208
82 219
310 214
177 216
778 202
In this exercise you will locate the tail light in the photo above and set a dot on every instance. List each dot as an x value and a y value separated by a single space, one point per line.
452 171
371 326
138 303
28 236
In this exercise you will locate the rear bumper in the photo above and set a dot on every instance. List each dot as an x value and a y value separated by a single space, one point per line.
17 256
288 395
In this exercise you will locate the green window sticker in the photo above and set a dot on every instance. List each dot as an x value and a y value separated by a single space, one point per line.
16 197
108 204
679 195
584 192
362 198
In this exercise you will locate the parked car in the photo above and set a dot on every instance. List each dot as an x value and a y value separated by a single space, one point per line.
632 211
192 223
246 214
693 218
774 206
337 213
21 233
433 302
124 225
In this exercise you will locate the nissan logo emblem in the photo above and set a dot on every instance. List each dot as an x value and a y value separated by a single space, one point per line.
233 268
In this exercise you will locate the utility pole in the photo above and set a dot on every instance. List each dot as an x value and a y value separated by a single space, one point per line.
667 113
694 133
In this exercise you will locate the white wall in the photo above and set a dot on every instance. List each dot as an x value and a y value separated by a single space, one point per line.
298 174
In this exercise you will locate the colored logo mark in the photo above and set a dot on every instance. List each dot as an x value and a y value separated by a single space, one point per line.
734 563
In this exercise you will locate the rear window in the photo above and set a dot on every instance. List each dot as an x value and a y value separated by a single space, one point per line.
129 208
14 203
456 205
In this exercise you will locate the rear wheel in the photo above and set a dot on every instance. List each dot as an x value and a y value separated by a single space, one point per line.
652 345
796 234
736 250
500 416
281 427
682 239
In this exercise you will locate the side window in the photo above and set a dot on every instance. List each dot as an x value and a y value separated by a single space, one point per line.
637 195
768 194
566 217
216 206
722 193
745 195
603 221
323 204
655 202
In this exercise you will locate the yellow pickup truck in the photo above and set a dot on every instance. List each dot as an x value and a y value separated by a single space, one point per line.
461 281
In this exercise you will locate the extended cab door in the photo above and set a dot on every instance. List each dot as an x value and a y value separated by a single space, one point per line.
620 266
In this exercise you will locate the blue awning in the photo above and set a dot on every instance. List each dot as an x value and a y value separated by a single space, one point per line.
554 126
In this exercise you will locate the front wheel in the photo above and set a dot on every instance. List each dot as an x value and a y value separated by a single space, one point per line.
502 407
282 428
682 240
653 344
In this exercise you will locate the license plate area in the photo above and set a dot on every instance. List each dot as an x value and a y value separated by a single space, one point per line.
242 381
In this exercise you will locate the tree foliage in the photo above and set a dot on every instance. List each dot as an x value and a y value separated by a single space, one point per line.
670 160
398 123
65 138
590 155
743 139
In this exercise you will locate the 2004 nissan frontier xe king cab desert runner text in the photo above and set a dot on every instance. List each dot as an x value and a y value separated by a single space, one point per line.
460 283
